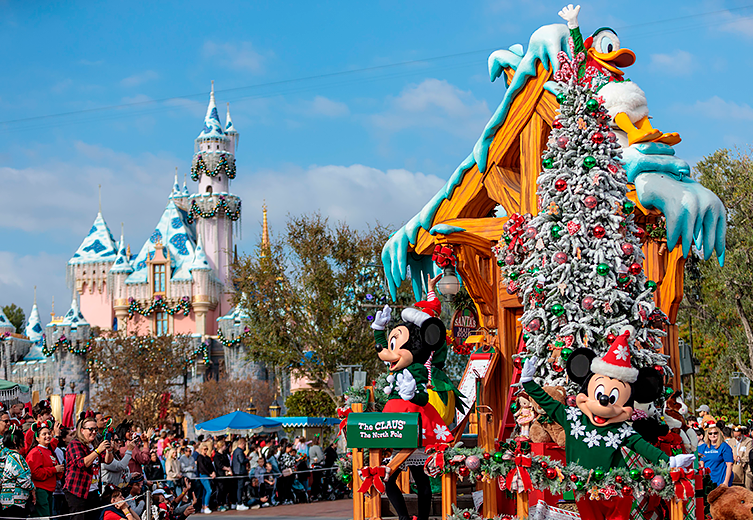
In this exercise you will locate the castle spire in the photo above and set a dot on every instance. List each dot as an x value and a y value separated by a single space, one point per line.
265 229
212 125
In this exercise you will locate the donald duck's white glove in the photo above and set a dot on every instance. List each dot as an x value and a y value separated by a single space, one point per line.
570 15
382 318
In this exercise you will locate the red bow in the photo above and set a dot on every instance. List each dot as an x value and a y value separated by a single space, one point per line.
515 230
372 477
443 256
519 477
684 488
344 416
434 464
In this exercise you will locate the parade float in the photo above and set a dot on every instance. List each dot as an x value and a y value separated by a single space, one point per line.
576 291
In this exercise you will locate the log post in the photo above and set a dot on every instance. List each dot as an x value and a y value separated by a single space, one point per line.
486 438
521 504
449 493
358 498
375 511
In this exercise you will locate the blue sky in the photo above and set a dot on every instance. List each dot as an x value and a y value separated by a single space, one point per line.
358 109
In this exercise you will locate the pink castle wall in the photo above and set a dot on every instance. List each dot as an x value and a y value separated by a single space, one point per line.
184 324
97 307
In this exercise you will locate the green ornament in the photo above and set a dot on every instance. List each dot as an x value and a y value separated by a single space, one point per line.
561 98
565 353
635 474
580 485
557 309
526 337
498 456
514 276
628 207
650 284
508 239
602 269
347 478
592 105
589 162
556 229
548 163
668 391
514 407
599 474
500 262
623 278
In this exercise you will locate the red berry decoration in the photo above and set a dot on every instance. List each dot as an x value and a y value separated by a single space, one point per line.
599 231
597 137
618 479
560 185
648 473
573 478
551 473
635 268
610 338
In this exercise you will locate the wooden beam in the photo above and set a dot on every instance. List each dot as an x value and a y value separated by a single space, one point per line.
503 185
449 493
532 142
547 108
375 497
487 228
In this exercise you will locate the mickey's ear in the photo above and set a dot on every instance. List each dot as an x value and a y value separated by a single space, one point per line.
648 386
579 365
433 333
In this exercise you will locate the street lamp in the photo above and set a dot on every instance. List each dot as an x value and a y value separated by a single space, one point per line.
61 382
251 406
449 285
274 409
73 387
30 382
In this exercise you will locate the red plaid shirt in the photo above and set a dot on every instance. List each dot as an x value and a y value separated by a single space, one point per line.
78 477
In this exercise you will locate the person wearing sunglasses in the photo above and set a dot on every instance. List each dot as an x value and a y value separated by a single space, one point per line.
716 455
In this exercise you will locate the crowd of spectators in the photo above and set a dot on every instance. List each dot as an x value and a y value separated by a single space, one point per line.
98 471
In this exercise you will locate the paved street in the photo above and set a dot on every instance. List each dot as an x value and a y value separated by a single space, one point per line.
337 510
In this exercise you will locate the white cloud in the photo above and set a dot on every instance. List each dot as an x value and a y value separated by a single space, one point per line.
434 104
358 194
139 79
239 56
718 108
20 273
322 106
678 63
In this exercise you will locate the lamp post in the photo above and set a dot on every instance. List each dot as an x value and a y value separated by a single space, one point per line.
30 382
61 382
251 406
449 285
73 387
274 409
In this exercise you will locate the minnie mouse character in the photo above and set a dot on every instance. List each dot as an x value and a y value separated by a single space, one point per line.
595 427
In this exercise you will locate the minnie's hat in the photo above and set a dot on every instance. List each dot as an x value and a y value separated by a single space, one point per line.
616 362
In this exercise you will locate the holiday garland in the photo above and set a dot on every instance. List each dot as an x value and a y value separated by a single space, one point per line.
232 343
224 166
472 514
159 305
543 473
64 343
220 206
147 343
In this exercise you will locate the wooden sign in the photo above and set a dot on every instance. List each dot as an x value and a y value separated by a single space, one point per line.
464 323
384 430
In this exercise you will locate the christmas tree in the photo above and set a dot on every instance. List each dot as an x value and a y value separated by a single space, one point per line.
578 264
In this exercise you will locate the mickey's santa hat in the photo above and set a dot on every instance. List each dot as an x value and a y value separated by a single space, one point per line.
616 362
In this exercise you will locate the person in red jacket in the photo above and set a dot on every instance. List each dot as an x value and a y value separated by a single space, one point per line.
44 466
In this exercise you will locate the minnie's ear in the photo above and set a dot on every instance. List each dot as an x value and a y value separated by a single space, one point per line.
648 386
579 365
433 333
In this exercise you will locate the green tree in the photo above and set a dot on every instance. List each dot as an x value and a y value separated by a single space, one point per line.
305 296
719 300
16 316
310 403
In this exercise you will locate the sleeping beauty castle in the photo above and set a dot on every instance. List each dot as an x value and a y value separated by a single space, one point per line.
178 282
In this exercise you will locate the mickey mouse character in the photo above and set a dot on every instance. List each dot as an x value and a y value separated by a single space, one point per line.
595 427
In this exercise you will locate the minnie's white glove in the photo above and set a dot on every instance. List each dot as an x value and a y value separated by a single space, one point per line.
406 385
570 15
681 461
529 369
382 318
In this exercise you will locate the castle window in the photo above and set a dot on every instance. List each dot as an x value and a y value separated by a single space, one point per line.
160 323
209 190
158 278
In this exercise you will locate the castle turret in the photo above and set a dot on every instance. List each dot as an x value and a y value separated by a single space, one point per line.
6 327
201 273
116 280
214 209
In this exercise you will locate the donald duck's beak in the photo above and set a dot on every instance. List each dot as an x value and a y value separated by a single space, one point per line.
612 60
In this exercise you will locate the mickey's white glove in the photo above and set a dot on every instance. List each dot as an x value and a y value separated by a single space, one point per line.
681 461
382 318
570 15
529 369
406 385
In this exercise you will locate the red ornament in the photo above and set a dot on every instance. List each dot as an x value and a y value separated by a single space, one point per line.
648 473
463 471
466 514
562 141
627 490
590 202
613 168
560 257
551 473
518 363
599 231
627 249
487 455
639 233
543 464
573 478
556 124
610 338
570 401
659 368
635 268
611 137
618 479
560 185
597 137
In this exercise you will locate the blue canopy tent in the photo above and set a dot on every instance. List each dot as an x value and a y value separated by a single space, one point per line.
238 422
306 422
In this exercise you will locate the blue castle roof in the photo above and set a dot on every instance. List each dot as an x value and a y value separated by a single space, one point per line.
122 263
5 324
200 262
98 246
73 318
35 333
212 126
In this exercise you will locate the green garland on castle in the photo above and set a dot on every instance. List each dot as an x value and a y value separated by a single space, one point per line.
232 343
159 305
221 206
224 166
64 343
